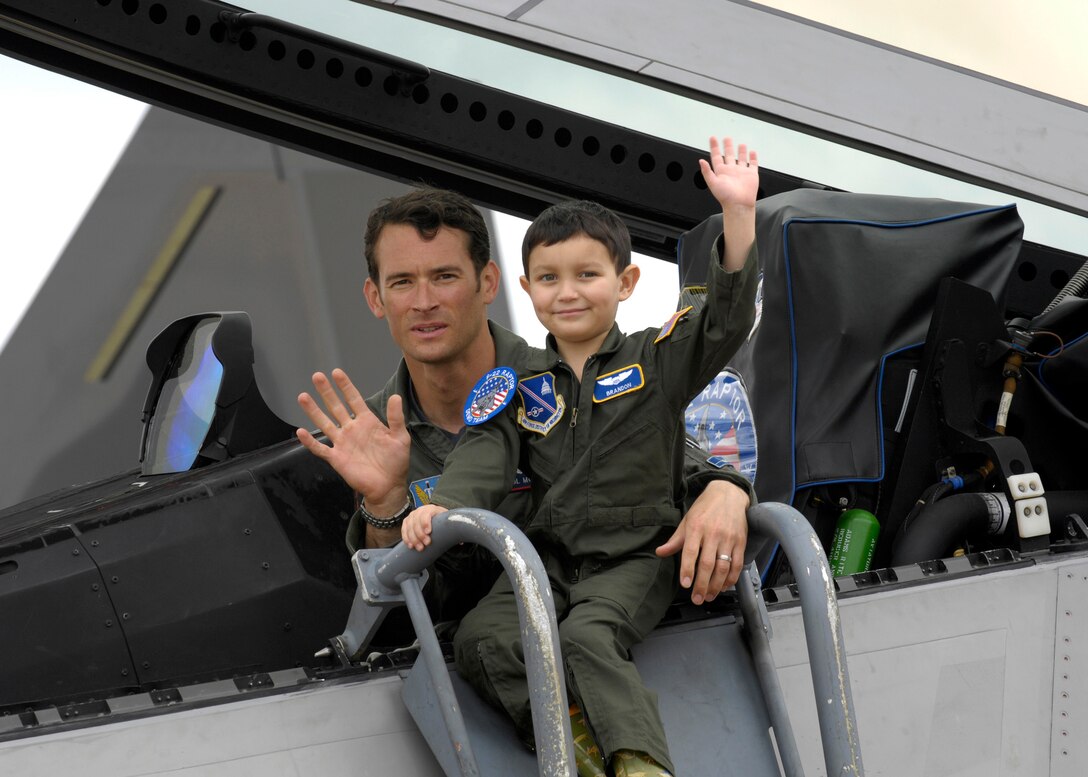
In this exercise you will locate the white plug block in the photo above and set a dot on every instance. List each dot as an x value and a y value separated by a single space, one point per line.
1032 517
1026 486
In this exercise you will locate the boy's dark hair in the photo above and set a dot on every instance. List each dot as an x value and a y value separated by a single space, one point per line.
428 210
579 217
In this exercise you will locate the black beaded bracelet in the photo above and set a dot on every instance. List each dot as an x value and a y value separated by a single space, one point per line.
392 521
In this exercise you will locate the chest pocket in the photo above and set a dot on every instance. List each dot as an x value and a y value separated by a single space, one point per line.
542 458
630 478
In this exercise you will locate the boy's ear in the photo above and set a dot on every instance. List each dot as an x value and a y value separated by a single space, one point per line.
524 283
628 279
373 298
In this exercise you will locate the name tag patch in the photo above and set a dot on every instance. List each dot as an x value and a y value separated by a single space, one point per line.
541 406
419 491
619 382
522 482
490 395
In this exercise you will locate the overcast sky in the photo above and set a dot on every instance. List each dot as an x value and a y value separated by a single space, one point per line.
51 172
61 137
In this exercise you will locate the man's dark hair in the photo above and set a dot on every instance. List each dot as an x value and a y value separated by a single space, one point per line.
428 210
579 217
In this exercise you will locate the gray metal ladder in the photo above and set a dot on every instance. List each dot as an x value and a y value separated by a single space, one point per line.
737 687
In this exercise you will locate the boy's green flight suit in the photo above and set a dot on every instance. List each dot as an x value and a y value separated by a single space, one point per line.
464 574
605 455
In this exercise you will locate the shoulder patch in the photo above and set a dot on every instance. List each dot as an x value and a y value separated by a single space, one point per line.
420 490
720 421
541 406
491 394
670 325
618 382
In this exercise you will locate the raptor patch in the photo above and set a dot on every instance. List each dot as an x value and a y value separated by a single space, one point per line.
490 395
720 420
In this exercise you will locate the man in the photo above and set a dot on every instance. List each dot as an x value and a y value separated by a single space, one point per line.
430 276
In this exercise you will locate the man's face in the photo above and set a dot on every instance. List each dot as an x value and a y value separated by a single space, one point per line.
429 293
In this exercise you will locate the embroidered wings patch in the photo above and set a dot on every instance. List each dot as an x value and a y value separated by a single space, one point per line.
618 382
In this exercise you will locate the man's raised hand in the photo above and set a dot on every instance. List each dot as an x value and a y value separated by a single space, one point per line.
371 457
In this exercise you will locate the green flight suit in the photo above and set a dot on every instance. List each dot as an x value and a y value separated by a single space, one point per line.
461 577
605 454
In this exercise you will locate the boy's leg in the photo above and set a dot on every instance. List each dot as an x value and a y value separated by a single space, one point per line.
609 612
487 648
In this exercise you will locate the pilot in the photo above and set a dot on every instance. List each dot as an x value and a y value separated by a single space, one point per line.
431 277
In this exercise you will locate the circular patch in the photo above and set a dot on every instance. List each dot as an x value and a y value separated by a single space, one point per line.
720 420
491 394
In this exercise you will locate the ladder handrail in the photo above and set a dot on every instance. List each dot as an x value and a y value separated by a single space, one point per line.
823 632
385 575
757 628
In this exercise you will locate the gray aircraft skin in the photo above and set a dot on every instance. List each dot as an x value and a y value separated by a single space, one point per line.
966 665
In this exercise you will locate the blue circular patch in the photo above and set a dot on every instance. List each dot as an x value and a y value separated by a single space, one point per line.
491 394
720 420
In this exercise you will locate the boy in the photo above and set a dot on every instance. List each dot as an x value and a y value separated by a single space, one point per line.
597 426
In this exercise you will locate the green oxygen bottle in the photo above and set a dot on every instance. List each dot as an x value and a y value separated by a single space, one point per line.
854 542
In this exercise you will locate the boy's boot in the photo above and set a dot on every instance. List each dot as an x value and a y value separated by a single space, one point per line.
629 763
587 756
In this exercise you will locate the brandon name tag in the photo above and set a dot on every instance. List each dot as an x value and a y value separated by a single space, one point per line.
618 382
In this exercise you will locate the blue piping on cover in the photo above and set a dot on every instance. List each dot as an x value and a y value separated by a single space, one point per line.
793 333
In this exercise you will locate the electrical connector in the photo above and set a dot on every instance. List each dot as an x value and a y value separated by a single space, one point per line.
1025 486
1032 517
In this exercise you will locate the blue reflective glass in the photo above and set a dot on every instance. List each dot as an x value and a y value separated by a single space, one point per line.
186 405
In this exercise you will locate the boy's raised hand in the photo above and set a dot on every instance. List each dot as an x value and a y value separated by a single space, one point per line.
733 179
732 175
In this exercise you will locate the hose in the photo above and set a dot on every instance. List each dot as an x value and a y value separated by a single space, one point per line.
935 530
1073 288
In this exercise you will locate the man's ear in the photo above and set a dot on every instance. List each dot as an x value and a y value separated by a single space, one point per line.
525 284
373 298
490 278
628 280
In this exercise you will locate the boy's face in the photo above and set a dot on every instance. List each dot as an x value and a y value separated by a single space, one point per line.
575 290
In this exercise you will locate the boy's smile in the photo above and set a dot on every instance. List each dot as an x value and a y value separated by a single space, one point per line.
575 291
